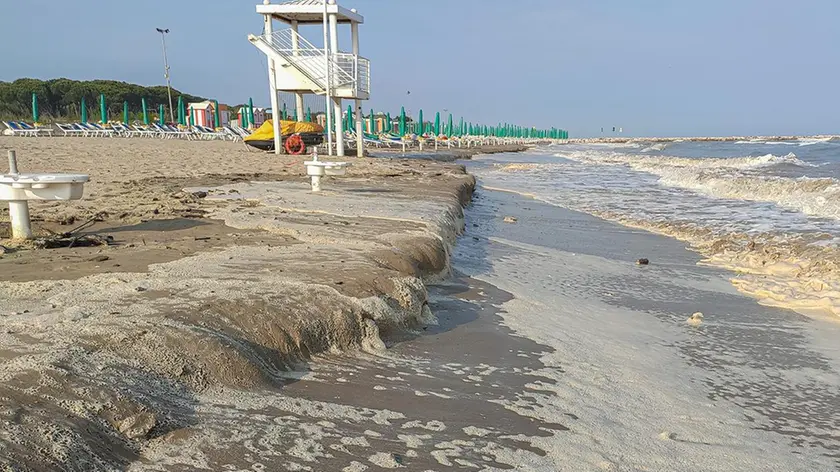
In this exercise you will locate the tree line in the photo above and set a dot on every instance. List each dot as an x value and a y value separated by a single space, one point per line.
60 99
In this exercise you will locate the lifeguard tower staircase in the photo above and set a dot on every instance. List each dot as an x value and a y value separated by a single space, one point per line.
296 65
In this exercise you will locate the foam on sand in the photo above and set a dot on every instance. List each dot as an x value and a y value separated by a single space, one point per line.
628 406
799 271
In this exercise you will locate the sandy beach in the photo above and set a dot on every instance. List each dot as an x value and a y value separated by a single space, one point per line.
224 271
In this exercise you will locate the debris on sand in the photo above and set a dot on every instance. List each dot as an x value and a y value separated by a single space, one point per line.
642 261
138 426
87 240
695 319
510 219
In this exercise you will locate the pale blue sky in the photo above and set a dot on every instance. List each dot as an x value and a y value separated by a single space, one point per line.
654 67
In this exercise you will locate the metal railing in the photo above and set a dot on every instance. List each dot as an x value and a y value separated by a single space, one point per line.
309 60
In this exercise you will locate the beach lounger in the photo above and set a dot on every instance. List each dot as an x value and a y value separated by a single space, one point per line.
89 130
204 132
121 129
70 129
177 132
20 128
161 131
35 131
241 131
143 131
231 134
15 129
103 130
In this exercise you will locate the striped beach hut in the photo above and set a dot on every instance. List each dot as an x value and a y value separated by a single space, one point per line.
201 113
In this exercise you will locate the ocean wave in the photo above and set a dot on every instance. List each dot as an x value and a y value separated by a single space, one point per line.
517 166
767 143
811 196
655 162
655 147
811 142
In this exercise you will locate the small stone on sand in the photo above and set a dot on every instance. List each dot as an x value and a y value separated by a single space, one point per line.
643 261
510 219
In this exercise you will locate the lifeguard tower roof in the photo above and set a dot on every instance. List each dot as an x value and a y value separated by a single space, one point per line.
308 11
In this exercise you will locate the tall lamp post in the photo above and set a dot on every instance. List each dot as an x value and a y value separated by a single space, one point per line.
163 33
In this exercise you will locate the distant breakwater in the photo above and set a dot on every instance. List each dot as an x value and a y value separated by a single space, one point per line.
623 139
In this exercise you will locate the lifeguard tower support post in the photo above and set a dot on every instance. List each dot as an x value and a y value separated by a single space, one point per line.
295 65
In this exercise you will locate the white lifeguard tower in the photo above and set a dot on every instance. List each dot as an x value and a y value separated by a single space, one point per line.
295 65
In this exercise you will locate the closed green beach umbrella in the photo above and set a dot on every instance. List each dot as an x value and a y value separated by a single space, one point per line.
125 112
437 124
192 118
371 123
308 114
217 116
284 114
251 111
422 128
103 110
84 111
145 111
403 129
348 119
181 111
450 125
34 107
160 115
389 125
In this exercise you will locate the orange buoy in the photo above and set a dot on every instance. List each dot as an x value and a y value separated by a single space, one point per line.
295 145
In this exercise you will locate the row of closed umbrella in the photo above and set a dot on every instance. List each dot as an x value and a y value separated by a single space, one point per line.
449 128
418 127
103 111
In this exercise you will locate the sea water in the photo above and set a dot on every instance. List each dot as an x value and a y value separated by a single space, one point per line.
639 386
769 211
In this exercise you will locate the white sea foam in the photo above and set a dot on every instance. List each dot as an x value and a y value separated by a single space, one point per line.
771 143
774 230
655 147
815 197
636 417
722 178
653 162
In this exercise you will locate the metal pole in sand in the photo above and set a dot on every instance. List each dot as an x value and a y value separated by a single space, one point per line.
360 141
339 126
18 209
327 84
163 33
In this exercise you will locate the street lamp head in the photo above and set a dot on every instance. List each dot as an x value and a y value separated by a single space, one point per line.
161 31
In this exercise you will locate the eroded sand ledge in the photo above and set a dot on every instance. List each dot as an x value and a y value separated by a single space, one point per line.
100 365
